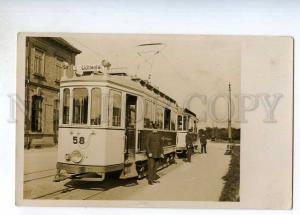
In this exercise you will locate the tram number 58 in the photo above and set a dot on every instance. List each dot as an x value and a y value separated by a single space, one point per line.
76 140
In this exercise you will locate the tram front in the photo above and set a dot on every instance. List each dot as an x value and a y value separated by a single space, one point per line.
91 137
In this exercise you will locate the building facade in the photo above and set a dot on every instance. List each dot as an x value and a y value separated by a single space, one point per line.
46 58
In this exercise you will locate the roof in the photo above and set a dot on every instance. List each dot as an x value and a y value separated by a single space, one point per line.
190 112
65 44
123 79
146 84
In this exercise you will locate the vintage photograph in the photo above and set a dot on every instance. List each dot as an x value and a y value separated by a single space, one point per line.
154 120
131 117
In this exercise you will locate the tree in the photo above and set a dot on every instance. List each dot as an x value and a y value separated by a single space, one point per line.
208 132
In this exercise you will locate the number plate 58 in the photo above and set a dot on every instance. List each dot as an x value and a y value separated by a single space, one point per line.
77 140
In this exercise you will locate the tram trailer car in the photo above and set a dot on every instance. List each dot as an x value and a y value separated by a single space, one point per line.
186 120
104 122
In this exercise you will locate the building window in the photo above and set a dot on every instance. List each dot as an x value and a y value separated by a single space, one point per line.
96 107
36 114
159 116
66 106
147 114
39 62
179 122
55 119
167 119
80 106
173 121
59 69
115 108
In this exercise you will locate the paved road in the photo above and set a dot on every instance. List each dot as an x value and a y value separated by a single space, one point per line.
39 163
200 180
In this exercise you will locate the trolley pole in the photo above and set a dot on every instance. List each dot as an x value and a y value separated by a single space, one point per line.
229 114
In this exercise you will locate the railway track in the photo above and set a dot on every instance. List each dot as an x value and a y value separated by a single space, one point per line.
37 175
87 190
56 194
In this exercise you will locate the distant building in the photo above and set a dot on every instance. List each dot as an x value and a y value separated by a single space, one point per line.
45 59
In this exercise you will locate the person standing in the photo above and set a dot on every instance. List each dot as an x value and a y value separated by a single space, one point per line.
154 150
189 145
203 143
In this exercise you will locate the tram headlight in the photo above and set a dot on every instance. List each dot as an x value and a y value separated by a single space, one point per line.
76 156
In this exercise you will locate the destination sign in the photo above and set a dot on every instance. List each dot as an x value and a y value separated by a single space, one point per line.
89 68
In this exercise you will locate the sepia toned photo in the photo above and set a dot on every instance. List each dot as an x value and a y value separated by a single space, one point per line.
152 120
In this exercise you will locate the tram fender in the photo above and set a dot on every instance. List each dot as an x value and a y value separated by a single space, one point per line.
129 171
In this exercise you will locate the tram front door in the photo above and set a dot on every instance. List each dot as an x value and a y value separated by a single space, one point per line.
130 140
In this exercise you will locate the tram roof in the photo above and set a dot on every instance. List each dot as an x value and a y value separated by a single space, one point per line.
125 79
189 112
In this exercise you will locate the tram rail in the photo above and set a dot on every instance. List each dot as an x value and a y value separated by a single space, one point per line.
36 175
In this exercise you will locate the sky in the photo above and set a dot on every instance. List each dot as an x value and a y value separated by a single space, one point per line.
185 68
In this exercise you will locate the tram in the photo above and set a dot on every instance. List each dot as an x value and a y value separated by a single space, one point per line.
104 121
186 120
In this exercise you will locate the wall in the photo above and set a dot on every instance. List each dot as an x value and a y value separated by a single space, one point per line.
46 86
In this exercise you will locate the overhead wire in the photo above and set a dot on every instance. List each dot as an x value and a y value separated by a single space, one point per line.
150 59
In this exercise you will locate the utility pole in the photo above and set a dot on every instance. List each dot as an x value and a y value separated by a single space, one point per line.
229 114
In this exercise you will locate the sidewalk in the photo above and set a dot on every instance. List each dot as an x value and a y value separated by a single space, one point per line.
200 180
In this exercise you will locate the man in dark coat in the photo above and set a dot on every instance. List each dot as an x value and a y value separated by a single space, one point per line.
154 150
189 145
203 143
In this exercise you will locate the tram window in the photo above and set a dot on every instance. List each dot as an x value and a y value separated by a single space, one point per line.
173 121
159 117
96 107
190 123
115 108
80 106
185 123
179 122
66 106
147 114
167 119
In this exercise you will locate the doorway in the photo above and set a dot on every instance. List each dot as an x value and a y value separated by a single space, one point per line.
130 124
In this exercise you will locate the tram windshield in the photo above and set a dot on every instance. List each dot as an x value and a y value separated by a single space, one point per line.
147 114
66 106
167 119
185 122
191 123
173 121
115 108
179 123
80 106
159 116
96 106
195 126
